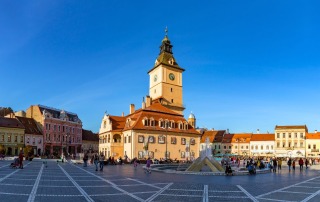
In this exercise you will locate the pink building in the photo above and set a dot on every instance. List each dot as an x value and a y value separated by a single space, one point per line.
62 130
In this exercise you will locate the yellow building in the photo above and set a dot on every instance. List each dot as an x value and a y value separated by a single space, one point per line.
158 129
11 136
313 145
290 140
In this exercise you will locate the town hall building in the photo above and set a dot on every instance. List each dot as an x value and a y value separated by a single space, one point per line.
158 129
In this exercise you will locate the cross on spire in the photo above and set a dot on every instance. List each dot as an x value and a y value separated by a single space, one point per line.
166 31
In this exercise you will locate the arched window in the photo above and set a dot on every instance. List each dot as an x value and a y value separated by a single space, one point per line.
161 123
180 125
172 124
152 122
108 138
104 124
117 138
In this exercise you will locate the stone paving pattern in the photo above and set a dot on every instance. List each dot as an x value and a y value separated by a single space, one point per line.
69 182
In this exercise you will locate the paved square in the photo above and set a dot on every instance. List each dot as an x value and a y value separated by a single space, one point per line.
69 182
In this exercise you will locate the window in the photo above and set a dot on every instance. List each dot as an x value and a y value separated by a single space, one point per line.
278 135
283 144
171 90
301 144
256 147
129 139
219 146
59 128
16 138
309 146
9 138
261 147
295 144
289 135
252 147
271 146
125 139
49 126
296 135
54 127
215 146
283 135
225 147
62 128
289 144
2 138
278 144
267 147
314 146
171 100
241 147
229 147
236 147
301 135
21 138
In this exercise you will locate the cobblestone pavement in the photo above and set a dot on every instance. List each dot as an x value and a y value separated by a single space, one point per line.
68 182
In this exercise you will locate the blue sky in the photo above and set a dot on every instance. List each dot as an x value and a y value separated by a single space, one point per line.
249 64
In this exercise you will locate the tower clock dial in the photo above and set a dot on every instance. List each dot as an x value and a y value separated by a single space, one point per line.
155 78
171 76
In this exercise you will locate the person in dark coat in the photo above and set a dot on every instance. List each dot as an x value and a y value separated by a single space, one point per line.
20 160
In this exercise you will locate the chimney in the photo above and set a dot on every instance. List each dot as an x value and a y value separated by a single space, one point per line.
143 104
258 131
315 131
122 114
148 101
131 108
227 132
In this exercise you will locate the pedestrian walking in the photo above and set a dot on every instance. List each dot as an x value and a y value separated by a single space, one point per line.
294 164
101 161
306 162
274 161
301 164
289 164
135 163
96 160
85 159
21 159
148 165
279 162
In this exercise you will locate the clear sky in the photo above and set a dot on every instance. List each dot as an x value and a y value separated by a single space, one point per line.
249 64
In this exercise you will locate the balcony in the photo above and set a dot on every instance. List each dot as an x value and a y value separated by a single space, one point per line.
314 150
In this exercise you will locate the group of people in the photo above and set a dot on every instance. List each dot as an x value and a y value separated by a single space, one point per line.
276 163
96 159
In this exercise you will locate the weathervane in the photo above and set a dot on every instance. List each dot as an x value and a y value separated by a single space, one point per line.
166 31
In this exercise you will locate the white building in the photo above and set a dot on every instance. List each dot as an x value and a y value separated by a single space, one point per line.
262 145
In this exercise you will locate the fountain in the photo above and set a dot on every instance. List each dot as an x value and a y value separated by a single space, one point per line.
205 162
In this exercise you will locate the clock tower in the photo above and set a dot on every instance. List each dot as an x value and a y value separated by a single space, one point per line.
166 79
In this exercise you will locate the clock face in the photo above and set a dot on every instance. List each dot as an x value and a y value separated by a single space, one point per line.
171 76
155 78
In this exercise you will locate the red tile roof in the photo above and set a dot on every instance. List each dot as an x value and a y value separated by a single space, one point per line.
241 137
227 138
10 123
31 126
213 135
157 112
313 136
262 137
